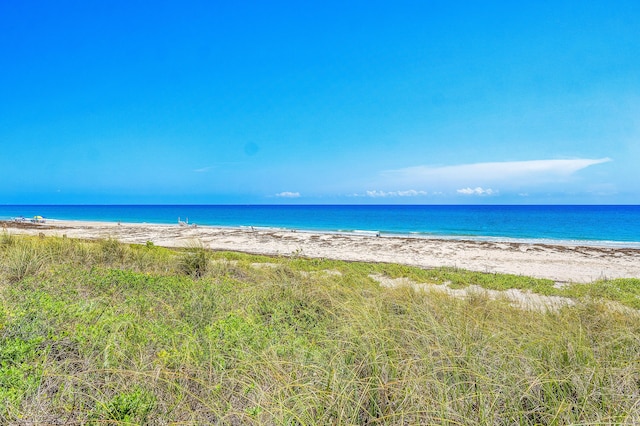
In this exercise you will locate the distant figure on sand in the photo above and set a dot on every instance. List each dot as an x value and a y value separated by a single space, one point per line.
181 223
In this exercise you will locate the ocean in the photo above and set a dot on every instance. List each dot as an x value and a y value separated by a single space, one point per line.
609 225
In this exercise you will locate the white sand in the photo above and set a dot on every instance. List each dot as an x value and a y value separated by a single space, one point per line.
562 263
518 298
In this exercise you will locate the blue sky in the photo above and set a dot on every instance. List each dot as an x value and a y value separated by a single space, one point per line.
425 102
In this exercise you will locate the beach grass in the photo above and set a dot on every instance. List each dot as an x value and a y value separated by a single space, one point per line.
107 333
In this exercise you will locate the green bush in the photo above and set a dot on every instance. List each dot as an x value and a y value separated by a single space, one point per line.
112 251
128 407
194 262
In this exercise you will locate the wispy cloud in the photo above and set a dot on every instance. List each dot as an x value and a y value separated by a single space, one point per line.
484 174
204 169
217 165
288 194
476 191
385 194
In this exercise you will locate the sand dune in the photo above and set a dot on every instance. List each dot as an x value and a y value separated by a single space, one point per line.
562 263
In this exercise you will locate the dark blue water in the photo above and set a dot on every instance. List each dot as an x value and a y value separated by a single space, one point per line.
616 224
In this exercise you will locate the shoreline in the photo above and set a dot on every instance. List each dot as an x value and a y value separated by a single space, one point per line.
368 233
569 262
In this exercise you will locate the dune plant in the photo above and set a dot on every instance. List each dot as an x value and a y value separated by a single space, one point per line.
6 239
258 340
194 260
111 251
22 259
132 407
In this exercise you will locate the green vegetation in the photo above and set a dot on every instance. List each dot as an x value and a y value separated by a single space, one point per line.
107 333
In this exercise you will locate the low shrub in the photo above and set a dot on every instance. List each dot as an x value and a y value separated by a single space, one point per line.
194 261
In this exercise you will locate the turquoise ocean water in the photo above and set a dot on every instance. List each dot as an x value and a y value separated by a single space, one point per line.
610 225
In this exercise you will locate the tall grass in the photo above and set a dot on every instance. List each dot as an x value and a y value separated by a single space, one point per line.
21 260
6 239
107 335
194 260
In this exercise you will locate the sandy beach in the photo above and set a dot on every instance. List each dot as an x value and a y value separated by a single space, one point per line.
561 263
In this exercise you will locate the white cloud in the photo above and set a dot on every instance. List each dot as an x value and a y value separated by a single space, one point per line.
384 194
288 194
476 191
509 172
411 193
